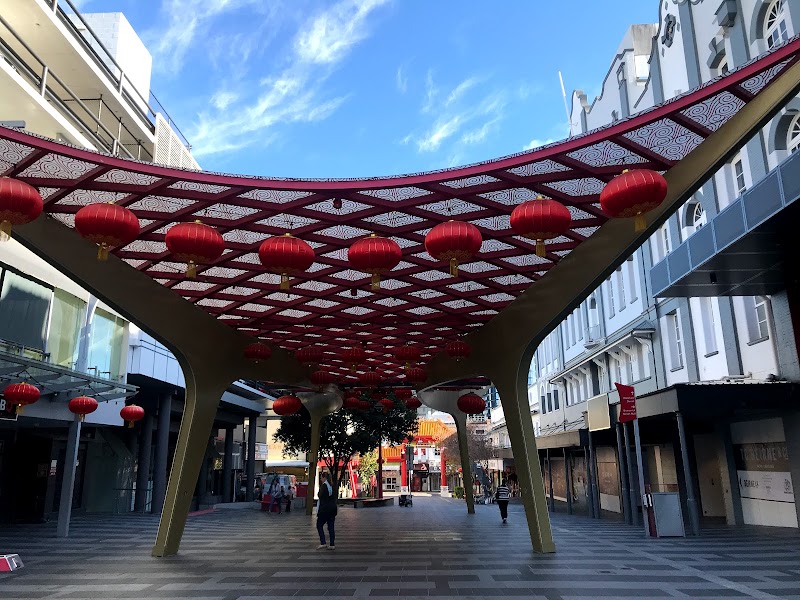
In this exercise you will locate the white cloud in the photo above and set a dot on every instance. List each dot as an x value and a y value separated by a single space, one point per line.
402 80
478 135
431 92
461 89
223 99
536 143
439 133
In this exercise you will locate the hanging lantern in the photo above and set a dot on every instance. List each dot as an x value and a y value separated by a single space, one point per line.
365 405
194 244
131 413
453 241
413 403
471 404
416 375
632 194
407 354
354 356
377 394
541 219
458 349
322 378
351 403
286 405
107 225
370 379
20 203
403 393
460 470
82 405
257 351
308 355
374 255
286 255
386 404
21 395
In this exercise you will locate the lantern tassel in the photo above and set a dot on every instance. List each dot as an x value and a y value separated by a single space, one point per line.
284 282
376 282
639 223
5 230
454 267
191 270
82 418
540 248
102 252
20 408
130 424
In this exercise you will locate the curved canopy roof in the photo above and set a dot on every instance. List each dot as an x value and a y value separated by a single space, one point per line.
332 305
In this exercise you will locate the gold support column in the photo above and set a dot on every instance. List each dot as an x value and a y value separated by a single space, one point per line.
203 394
512 386
466 465
313 458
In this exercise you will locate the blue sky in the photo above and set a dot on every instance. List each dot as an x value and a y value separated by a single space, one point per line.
350 88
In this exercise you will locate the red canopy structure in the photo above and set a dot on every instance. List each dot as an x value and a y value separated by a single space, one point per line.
505 299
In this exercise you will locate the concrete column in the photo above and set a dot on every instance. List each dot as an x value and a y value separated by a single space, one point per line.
791 428
143 464
466 464
637 440
733 501
313 458
550 477
227 466
623 477
161 456
568 480
634 495
202 479
68 481
591 469
252 431
691 501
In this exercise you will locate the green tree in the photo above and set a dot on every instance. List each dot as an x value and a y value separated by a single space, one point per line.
368 466
346 433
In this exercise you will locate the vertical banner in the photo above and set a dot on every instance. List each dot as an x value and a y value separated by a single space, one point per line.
627 403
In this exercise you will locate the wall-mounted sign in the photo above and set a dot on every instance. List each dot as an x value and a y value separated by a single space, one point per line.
764 471
262 451
7 412
627 403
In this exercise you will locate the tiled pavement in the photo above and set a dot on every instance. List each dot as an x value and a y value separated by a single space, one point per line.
432 549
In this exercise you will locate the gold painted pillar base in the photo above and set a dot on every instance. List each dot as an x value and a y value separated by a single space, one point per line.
466 466
513 390
202 398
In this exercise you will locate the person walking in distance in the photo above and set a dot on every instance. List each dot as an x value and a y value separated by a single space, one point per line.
289 496
326 512
502 495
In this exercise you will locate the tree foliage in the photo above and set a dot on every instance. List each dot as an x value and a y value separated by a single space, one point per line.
367 466
346 433
481 450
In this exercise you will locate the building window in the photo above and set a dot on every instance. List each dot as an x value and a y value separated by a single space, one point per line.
555 399
543 404
775 31
675 341
738 176
793 140
709 325
631 267
695 216
621 288
611 308
757 314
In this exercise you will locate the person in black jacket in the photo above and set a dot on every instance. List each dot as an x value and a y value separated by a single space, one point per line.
326 512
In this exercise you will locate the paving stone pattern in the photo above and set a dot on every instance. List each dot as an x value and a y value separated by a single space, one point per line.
431 549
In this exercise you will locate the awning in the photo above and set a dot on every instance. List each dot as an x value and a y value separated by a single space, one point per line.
566 439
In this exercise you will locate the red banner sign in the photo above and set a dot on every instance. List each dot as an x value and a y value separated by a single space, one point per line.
627 403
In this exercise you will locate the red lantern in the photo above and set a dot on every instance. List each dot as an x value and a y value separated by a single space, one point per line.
407 354
454 241
354 356
286 405
632 194
257 351
351 403
416 375
377 394
322 378
387 404
471 404
365 405
460 470
20 203
403 393
541 219
413 403
131 413
374 255
82 405
308 355
21 394
107 225
370 379
286 255
458 349
194 244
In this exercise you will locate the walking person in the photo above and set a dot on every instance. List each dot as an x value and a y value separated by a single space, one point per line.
275 495
326 512
503 495
289 496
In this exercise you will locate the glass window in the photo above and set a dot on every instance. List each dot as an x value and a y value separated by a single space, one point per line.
793 141
738 176
631 268
621 288
611 308
675 341
757 315
65 328
555 399
775 31
709 324
24 312
105 346
695 215
762 325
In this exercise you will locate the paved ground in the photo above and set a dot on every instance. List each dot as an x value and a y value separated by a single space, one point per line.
432 549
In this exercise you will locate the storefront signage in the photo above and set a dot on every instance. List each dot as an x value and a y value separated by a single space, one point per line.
627 403
763 471
7 412
262 451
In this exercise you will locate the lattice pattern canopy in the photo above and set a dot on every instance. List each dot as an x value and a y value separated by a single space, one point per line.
331 305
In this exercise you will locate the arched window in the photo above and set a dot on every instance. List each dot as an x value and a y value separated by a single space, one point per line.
793 135
775 31
695 215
